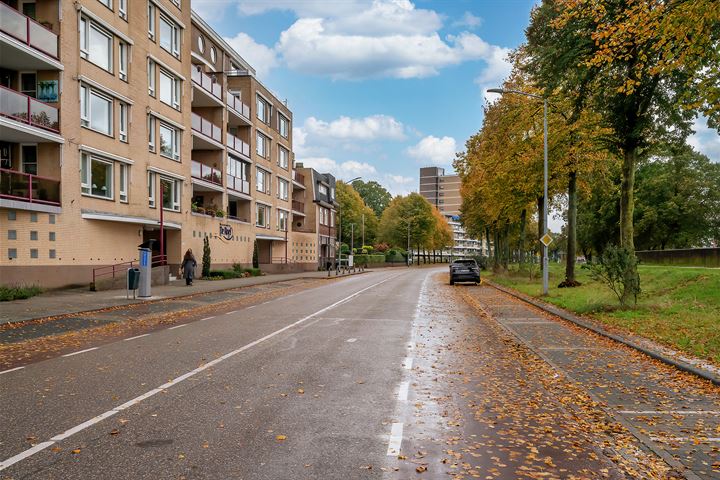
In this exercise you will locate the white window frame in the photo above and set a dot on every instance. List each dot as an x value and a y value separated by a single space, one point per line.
124 177
322 189
266 215
175 143
86 161
283 193
123 59
175 191
282 117
152 133
107 3
174 36
152 188
286 162
151 21
151 67
86 112
267 109
332 218
122 9
124 113
266 179
175 88
86 25
282 215
265 144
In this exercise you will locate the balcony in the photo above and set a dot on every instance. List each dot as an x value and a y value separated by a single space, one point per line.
238 185
26 44
24 187
201 171
298 179
25 109
298 207
238 145
238 112
206 135
209 91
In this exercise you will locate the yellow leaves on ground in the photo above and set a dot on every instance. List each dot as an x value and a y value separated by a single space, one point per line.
281 438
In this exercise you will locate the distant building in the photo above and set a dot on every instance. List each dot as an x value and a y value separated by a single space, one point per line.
443 191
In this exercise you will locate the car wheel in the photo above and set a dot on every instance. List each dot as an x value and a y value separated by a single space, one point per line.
452 281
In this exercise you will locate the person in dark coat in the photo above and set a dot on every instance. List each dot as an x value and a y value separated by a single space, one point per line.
188 267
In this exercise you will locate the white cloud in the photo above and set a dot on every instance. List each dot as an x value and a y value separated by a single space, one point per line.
705 140
434 150
374 127
261 57
468 20
395 184
302 8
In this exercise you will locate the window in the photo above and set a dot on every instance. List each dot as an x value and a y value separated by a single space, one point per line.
12 215
95 110
151 133
171 193
282 219
123 128
323 189
262 145
122 9
283 125
176 2
29 159
96 44
332 218
283 156
12 234
201 44
332 193
33 235
33 253
123 50
51 254
169 89
262 181
12 253
51 218
151 189
124 182
151 20
262 215
33 217
282 189
51 236
263 110
238 168
107 3
96 177
169 142
151 77
169 36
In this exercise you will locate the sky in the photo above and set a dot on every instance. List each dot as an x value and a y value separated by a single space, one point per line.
380 88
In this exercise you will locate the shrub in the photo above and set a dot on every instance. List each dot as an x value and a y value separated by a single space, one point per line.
18 292
395 256
246 272
256 259
614 268
368 248
206 257
225 274
382 247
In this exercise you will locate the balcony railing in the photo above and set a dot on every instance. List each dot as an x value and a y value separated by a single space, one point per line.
23 108
238 184
235 103
205 82
204 172
28 31
206 127
24 187
238 145
298 177
298 206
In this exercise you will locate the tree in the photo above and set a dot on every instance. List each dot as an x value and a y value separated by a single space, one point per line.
410 217
373 194
352 209
206 258
647 67
442 233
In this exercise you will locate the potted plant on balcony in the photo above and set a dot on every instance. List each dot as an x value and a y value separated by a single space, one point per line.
219 214
194 207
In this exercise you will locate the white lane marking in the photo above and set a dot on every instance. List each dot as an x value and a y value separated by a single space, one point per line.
137 336
11 370
178 326
230 313
408 363
403 391
41 446
351 340
669 412
80 351
396 434
207 318
251 306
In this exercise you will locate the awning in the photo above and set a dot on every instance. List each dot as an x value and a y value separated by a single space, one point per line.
270 237
112 217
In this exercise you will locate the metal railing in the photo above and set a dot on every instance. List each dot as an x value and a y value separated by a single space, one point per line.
206 127
298 206
26 109
112 270
204 172
238 184
204 81
237 144
238 106
28 31
29 188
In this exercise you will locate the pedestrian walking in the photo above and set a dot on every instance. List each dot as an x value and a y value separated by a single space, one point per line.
188 267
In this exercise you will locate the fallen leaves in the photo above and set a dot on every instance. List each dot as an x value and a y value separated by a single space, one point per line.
280 438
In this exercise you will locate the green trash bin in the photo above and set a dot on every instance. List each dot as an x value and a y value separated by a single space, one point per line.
133 278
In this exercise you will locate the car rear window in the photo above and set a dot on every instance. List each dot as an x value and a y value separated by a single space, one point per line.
470 263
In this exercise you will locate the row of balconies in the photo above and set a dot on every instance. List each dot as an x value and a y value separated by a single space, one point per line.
27 31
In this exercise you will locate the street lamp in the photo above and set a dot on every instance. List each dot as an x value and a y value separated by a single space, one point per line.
502 91
339 223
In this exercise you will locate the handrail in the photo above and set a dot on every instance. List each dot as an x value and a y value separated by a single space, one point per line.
155 261
205 172
206 127
204 81
21 108
238 184
36 187
238 145
237 105
24 32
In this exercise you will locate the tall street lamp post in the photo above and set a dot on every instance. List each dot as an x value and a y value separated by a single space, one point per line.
545 175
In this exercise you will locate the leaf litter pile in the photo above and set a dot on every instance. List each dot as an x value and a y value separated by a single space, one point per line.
485 406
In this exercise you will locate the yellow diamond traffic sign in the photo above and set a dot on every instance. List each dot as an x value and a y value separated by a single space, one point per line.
546 239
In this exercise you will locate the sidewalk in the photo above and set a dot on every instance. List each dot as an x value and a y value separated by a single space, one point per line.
63 302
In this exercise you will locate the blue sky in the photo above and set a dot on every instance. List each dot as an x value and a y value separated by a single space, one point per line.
379 88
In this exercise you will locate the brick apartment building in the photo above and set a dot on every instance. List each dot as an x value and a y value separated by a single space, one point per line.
443 192
115 114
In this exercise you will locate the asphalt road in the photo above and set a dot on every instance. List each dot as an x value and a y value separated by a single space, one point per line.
389 374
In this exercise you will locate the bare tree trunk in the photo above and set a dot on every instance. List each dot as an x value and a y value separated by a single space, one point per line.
487 241
506 244
571 230
627 206
521 242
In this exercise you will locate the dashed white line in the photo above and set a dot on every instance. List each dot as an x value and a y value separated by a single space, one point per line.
403 391
207 318
408 363
137 336
230 313
251 306
351 340
41 446
11 370
178 326
80 351
396 434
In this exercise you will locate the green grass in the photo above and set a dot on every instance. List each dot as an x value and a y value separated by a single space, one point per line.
679 307
18 292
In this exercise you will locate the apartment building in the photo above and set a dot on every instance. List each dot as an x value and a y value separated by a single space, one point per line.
314 231
120 120
443 192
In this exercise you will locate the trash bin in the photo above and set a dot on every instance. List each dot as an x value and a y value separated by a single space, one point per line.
133 278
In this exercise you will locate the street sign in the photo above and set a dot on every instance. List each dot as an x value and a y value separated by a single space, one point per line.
546 239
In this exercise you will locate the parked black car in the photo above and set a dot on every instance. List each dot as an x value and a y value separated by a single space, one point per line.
466 270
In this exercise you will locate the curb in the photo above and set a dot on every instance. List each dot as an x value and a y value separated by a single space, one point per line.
558 312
